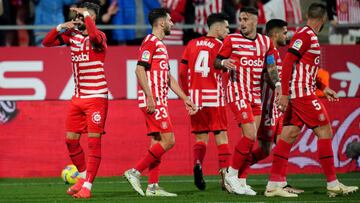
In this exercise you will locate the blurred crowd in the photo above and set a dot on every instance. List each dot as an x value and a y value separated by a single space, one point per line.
190 14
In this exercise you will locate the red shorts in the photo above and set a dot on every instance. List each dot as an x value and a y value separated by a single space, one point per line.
245 111
87 115
269 128
307 110
159 121
209 119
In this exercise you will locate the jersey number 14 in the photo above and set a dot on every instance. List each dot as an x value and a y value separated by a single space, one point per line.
202 63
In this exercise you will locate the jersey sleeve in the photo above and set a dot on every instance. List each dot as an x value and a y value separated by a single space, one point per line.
146 53
184 67
54 38
270 54
300 44
225 50
97 37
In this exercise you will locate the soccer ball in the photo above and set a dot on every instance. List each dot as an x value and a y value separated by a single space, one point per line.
70 174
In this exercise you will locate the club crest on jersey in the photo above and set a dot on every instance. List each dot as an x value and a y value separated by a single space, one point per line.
297 44
145 55
96 117
164 125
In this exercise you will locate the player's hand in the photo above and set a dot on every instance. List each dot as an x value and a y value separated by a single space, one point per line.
330 94
278 92
78 10
190 107
150 107
229 64
70 24
113 8
283 102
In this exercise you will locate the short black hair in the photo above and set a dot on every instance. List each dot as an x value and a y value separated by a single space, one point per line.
91 5
215 18
157 13
316 11
274 23
249 9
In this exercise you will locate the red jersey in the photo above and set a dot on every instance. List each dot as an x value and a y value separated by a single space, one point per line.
203 8
87 58
267 96
306 46
204 81
154 57
249 56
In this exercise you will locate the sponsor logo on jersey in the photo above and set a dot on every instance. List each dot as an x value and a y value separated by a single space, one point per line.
297 44
145 55
96 117
317 60
244 61
164 65
79 57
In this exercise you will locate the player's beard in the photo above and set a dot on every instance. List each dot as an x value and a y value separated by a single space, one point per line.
81 27
167 30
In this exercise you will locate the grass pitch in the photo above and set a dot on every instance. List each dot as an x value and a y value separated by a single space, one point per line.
116 189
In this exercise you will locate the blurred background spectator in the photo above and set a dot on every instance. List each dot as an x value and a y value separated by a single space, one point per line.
287 10
49 13
132 12
107 10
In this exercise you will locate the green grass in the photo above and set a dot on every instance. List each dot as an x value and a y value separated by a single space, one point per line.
116 189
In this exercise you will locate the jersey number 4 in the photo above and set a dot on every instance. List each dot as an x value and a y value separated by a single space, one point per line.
202 63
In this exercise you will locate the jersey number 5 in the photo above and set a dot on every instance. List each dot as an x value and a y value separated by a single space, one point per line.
202 63
316 104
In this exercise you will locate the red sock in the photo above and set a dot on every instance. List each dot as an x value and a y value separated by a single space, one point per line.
199 152
154 171
76 154
280 160
326 157
242 150
154 154
224 155
255 156
94 158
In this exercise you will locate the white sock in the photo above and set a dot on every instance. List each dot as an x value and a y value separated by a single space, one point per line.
87 185
82 174
153 185
283 184
232 172
136 171
333 183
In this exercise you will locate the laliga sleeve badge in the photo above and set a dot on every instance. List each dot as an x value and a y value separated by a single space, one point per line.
145 56
297 44
96 117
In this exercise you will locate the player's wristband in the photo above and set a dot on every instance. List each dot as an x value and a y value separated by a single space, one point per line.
86 13
222 63
278 84
58 28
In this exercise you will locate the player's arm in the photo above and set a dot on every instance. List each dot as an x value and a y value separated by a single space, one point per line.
190 106
57 38
222 60
184 69
143 81
272 70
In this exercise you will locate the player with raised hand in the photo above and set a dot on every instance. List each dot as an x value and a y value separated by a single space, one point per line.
153 73
245 55
203 84
88 107
299 73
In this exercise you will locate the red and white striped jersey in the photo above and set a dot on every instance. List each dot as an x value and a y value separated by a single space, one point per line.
249 56
204 81
348 11
203 8
269 106
154 57
306 46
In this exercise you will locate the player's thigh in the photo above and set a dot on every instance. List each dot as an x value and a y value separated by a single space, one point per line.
96 113
323 132
75 119
167 140
221 137
290 133
202 137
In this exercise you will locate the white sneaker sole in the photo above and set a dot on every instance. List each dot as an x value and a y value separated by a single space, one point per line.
133 185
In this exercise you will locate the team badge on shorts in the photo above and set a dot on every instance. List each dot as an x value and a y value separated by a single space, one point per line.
322 117
164 125
96 117
244 115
